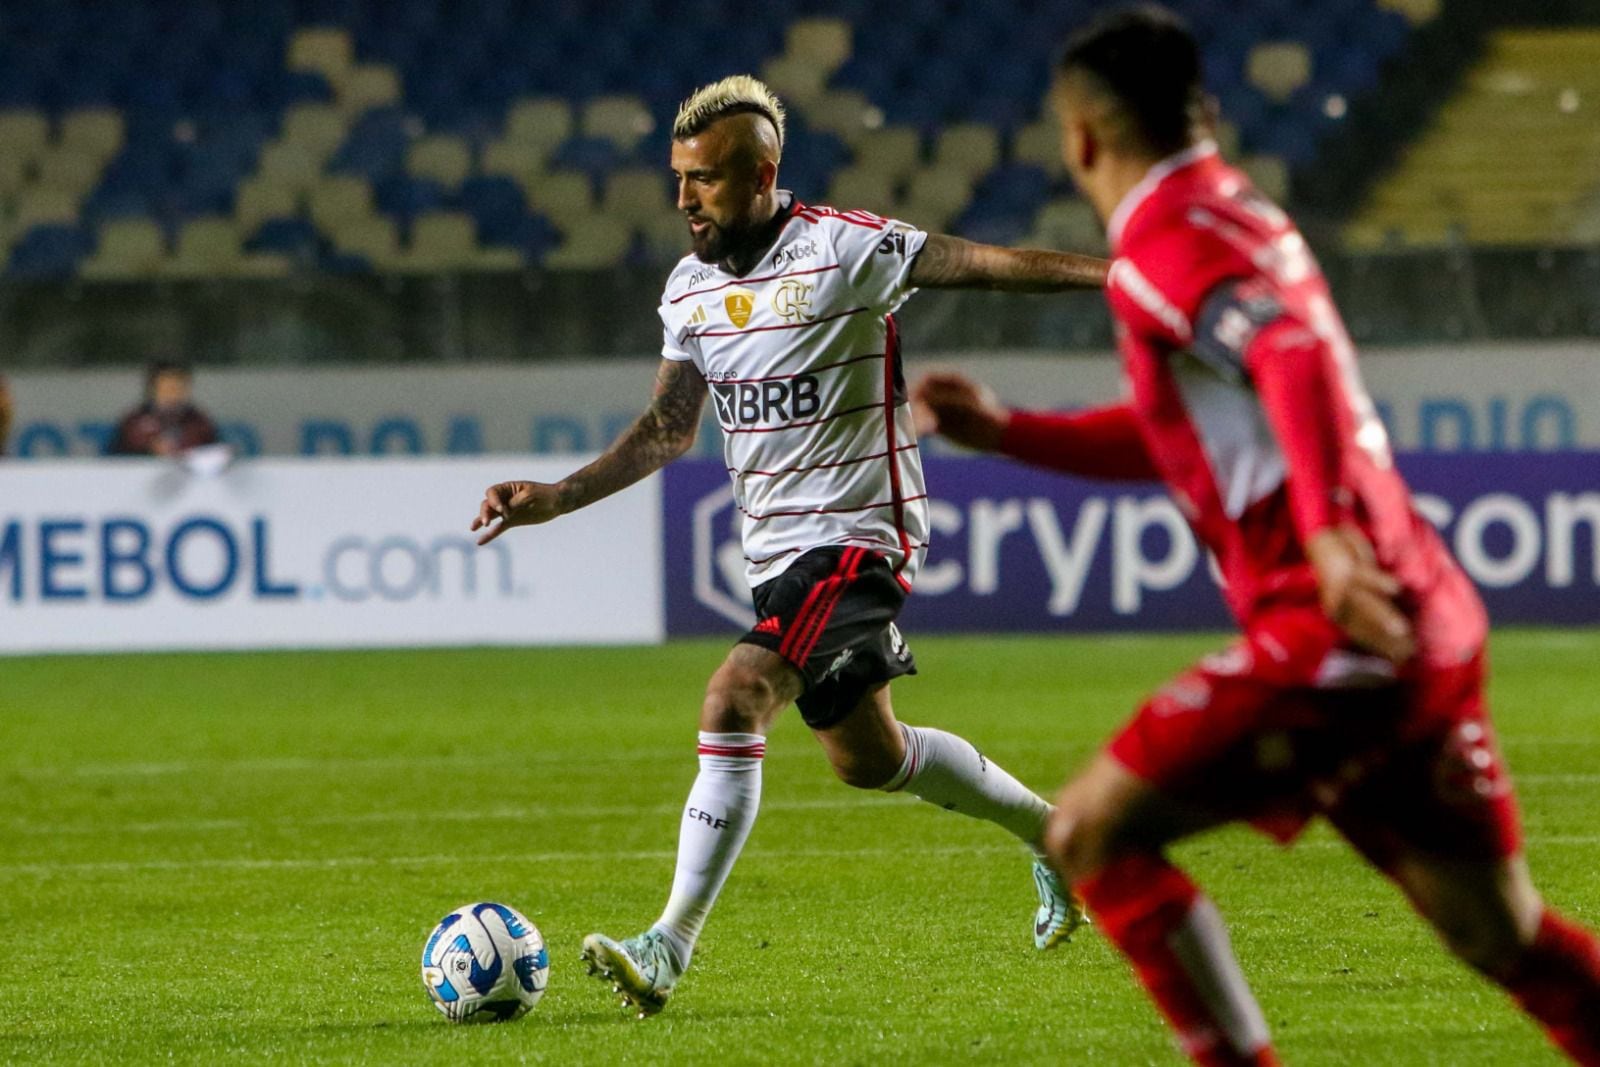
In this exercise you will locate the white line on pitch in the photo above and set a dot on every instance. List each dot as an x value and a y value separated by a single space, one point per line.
683 754
31 828
131 866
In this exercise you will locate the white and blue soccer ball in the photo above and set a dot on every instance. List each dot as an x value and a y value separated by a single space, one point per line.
485 963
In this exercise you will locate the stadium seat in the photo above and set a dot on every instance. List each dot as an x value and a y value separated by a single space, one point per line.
636 196
893 152
540 122
373 238
1279 68
338 199
621 119
318 128
519 162
561 194
1039 143
856 189
289 166
100 132
127 248
23 134
440 241
1416 12
936 196
796 80
72 170
1269 174
323 50
825 43
444 159
204 248
1068 224
367 86
970 148
843 112
260 199
591 242
13 174
36 206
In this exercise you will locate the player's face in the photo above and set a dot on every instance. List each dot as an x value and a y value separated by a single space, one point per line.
718 190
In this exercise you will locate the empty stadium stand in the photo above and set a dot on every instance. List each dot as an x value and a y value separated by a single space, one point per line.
197 139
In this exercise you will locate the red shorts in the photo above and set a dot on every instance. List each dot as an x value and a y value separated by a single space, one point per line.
1289 723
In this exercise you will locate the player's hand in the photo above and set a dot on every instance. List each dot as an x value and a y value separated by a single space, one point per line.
1359 595
965 411
516 504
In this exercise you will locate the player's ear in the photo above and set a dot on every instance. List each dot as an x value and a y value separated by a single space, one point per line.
1081 145
766 176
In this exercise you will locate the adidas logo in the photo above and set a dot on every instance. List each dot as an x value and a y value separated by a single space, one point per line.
770 625
699 316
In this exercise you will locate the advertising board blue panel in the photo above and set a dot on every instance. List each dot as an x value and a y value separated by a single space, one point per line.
1016 549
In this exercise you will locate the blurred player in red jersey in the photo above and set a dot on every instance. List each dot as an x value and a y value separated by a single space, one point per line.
1356 690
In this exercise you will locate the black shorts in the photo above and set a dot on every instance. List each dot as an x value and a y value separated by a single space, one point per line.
831 616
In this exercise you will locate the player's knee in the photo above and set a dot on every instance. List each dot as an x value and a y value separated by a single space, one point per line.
739 699
864 770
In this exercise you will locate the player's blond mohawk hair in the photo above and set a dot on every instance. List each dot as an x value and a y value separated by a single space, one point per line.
733 95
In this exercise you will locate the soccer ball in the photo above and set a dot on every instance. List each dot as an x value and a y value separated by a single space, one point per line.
485 963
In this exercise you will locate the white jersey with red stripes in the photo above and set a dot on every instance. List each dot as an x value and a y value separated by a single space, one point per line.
801 361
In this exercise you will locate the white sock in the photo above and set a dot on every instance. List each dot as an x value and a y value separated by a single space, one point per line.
716 820
943 769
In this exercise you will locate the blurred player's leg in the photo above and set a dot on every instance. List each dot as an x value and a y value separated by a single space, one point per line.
870 749
1440 819
742 698
1106 838
1490 916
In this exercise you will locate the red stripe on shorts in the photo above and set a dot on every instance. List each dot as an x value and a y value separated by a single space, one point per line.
819 606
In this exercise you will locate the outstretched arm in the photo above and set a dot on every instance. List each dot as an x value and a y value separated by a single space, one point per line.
663 433
955 263
1102 443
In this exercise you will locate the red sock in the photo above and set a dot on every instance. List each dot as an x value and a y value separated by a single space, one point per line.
1557 981
1174 938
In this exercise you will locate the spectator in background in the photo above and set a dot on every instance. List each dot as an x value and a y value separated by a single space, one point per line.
5 416
167 423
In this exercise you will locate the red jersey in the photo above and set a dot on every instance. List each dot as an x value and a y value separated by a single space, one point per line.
1244 392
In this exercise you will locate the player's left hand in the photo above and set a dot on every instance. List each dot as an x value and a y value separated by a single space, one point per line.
1359 595
515 504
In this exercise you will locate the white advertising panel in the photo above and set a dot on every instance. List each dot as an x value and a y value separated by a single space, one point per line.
148 554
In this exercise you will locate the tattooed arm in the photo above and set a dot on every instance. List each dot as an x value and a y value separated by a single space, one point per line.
663 433
954 263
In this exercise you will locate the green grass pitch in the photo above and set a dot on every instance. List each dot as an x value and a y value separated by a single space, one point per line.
238 856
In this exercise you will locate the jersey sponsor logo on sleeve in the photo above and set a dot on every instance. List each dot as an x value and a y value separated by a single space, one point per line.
792 301
893 243
739 303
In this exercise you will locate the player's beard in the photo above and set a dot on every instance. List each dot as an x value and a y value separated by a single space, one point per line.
719 242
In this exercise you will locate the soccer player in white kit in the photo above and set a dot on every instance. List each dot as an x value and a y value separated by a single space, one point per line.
783 314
